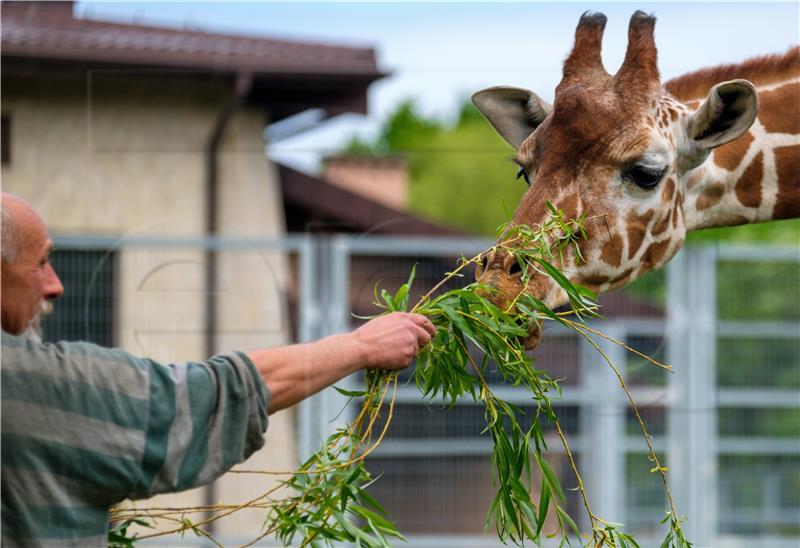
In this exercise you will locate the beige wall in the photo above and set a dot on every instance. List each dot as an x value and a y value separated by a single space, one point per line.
117 154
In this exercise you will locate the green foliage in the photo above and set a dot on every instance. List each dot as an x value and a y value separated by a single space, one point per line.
773 423
775 232
756 362
462 167
452 167
118 537
404 131
330 502
446 369
766 290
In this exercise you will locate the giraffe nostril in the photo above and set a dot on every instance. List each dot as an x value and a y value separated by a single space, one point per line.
480 266
512 266
483 263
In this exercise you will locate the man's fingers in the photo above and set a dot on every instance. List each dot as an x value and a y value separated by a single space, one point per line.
424 322
423 337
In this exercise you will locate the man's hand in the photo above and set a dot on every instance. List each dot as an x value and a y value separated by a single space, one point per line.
295 372
390 342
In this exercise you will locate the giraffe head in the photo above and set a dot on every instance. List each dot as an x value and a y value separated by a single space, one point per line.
616 149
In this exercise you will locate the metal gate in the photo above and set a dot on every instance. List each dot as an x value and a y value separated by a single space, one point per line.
730 436
727 422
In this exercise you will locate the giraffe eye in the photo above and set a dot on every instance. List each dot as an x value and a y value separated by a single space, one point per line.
646 178
524 174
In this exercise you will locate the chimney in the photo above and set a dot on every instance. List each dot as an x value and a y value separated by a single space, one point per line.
382 179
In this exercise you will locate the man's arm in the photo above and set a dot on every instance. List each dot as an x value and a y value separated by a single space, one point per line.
295 372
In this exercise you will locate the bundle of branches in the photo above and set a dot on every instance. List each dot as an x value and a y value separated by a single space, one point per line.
330 502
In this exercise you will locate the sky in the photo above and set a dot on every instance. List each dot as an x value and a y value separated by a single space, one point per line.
440 53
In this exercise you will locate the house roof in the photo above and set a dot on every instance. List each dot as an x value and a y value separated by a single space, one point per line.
283 70
313 201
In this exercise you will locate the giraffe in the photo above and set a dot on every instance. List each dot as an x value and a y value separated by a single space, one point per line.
646 162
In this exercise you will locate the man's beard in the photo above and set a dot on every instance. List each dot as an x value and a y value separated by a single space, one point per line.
33 331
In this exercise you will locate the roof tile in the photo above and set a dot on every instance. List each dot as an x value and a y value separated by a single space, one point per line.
56 35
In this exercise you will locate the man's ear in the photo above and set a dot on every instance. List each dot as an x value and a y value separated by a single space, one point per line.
515 113
728 111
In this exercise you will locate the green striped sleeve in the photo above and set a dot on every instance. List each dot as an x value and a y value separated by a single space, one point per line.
204 418
84 427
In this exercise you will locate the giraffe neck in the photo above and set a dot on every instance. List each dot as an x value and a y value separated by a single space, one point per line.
755 178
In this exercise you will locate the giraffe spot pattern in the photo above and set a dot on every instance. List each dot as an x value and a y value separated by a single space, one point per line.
748 187
694 179
669 191
787 166
654 255
662 224
730 154
637 228
625 274
595 279
710 196
678 210
779 109
612 251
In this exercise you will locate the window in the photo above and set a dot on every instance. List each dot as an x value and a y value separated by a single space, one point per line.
86 311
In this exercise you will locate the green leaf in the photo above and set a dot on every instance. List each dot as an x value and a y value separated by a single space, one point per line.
550 476
351 393
544 506
565 517
389 300
667 540
366 498
401 297
627 538
354 533
377 520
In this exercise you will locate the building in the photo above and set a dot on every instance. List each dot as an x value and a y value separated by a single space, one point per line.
120 131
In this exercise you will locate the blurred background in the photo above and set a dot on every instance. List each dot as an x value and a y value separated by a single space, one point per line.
236 175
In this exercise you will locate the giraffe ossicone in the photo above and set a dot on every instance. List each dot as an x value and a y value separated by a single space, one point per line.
645 162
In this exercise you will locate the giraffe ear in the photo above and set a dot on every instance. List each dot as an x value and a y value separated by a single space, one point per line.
515 113
728 111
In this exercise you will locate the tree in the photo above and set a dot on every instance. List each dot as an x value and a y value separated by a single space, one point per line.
453 168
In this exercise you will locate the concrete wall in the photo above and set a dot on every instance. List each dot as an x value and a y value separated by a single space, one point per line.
123 153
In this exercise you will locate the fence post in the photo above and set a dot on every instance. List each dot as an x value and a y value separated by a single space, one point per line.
603 426
309 328
692 315
339 322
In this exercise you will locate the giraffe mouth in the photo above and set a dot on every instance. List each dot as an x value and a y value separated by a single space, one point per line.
533 339
493 290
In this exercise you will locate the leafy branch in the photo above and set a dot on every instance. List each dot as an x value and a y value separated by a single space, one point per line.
330 502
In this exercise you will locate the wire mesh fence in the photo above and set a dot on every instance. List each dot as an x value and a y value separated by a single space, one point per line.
727 422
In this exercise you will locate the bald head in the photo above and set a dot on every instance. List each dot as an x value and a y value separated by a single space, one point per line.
10 235
28 280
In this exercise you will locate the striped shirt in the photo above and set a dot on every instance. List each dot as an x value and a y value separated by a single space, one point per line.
84 427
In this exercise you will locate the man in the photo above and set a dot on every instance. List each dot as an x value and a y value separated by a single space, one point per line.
84 427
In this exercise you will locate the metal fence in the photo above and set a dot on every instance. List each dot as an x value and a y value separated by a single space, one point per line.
727 422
